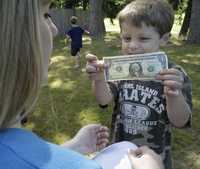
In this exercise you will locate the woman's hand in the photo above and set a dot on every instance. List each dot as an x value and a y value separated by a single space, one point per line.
89 139
144 157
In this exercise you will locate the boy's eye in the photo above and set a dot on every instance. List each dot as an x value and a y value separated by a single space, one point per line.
144 38
126 38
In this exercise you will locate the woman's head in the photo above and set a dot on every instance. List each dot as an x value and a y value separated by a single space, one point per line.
23 35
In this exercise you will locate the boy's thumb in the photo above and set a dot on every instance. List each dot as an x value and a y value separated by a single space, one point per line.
90 57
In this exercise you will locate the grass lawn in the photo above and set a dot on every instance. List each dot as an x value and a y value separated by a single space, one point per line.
66 103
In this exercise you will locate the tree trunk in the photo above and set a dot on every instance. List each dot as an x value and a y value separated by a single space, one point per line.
175 3
96 21
194 32
186 22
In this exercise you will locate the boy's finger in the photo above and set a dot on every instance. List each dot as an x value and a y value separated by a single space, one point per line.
168 77
173 84
97 66
174 92
170 71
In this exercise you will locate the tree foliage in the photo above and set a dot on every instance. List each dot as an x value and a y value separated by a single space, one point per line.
70 4
110 8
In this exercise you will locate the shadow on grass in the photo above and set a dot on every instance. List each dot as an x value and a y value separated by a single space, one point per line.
186 150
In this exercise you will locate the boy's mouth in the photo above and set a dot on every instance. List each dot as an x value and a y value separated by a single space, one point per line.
134 53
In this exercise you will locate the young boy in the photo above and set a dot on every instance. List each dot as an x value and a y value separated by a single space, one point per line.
76 34
145 26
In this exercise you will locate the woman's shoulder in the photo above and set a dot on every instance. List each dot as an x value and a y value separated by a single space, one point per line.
27 150
10 134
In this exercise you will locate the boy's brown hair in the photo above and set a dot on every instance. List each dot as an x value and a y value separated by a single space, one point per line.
156 13
73 20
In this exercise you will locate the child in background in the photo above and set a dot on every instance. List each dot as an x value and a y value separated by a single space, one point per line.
76 34
144 111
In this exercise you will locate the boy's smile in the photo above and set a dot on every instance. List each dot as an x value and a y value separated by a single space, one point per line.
138 40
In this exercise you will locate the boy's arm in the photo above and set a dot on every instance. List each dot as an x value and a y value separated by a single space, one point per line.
178 109
102 92
68 38
100 88
68 35
86 32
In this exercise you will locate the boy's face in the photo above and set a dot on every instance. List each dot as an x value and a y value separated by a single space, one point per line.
139 40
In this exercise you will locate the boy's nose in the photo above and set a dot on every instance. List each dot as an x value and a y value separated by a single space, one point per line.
133 47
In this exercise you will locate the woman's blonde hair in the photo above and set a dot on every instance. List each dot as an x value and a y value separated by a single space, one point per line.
20 57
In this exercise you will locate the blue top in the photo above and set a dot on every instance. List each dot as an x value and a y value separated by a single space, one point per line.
76 34
21 149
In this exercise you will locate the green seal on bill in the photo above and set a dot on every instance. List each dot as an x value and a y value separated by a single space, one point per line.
151 68
118 68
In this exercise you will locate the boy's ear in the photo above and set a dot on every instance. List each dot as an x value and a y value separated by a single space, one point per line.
164 39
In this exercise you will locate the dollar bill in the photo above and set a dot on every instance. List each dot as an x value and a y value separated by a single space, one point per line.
130 67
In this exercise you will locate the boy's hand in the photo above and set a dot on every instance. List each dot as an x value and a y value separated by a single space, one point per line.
144 157
172 80
94 67
67 40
